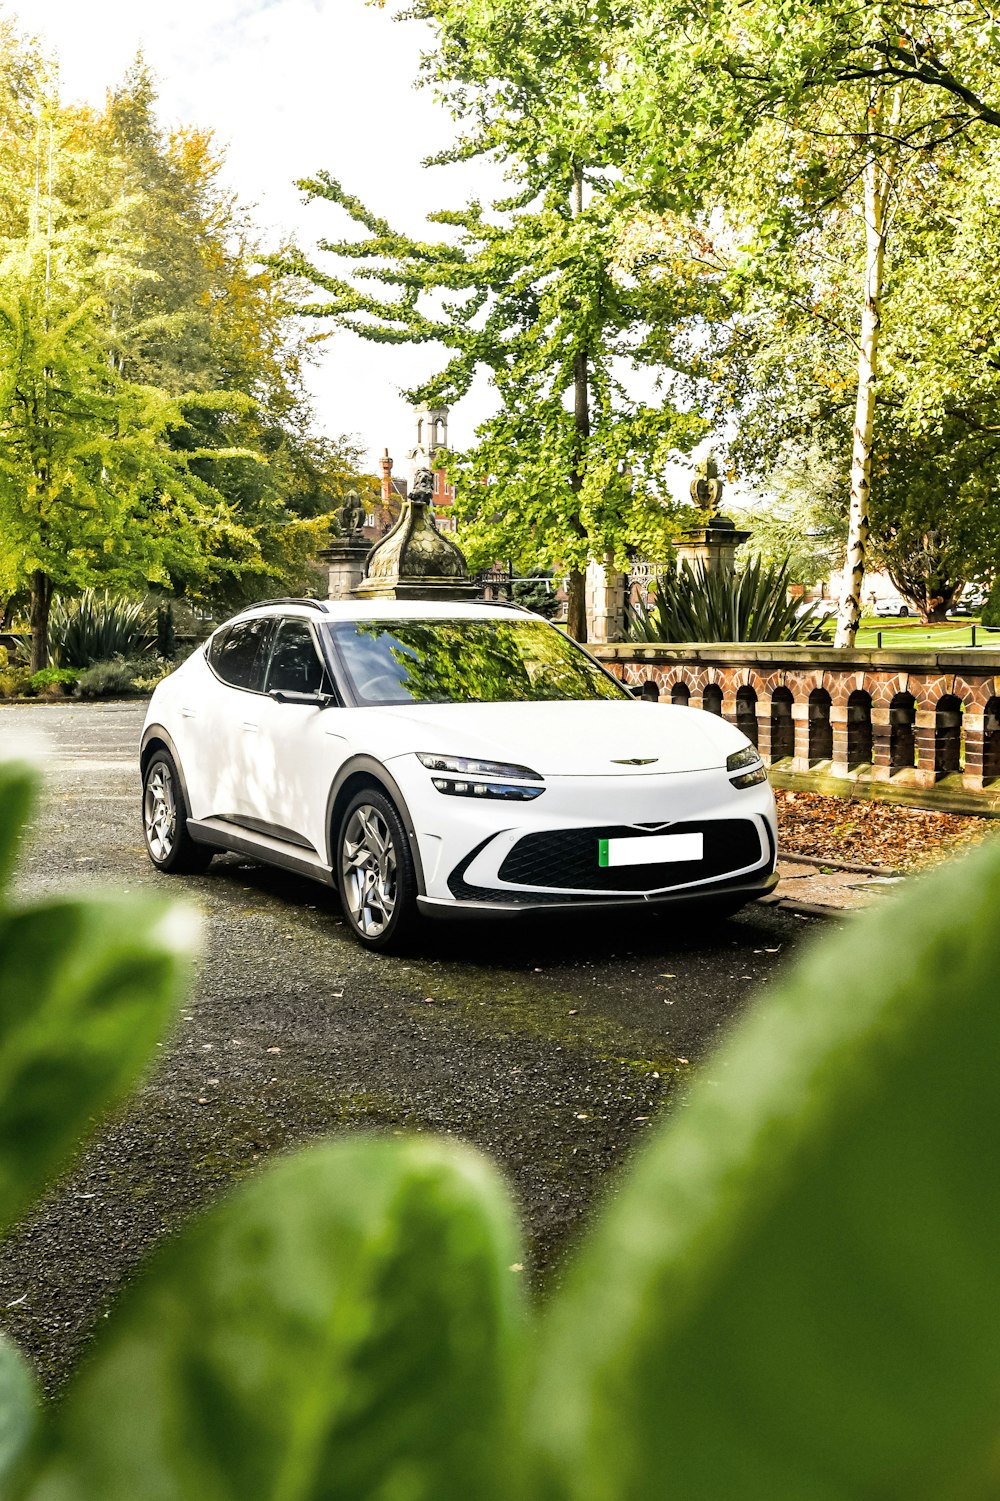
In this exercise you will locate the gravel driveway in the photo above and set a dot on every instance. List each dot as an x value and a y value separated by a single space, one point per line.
552 1046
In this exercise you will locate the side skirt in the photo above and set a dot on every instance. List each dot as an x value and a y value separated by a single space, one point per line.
269 851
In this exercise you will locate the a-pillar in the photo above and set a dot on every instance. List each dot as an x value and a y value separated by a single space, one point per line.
838 722
924 735
800 718
605 601
975 749
881 743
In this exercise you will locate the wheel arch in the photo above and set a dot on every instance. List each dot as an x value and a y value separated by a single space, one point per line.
364 771
154 738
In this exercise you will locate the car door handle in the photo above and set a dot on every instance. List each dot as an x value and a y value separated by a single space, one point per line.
248 724
189 713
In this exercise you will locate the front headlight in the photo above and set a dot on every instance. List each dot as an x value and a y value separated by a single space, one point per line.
748 757
461 776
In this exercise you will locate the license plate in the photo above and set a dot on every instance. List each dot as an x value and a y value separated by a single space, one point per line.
651 849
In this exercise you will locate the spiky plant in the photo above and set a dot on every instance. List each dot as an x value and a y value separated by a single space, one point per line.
95 628
697 604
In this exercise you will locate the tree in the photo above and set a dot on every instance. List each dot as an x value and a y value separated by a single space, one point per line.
154 426
800 119
572 466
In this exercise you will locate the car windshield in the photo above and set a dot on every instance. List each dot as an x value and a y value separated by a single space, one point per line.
465 661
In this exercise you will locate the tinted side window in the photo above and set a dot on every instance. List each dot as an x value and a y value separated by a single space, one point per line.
295 667
239 655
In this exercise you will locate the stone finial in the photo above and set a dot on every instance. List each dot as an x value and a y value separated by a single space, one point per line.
414 560
706 487
351 515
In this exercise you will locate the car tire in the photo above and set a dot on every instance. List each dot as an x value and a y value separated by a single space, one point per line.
375 873
164 820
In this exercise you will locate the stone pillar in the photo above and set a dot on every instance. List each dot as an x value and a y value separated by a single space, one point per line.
881 743
975 744
800 718
838 721
764 727
345 558
926 724
605 601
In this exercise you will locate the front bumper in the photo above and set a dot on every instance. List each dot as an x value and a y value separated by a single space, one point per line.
472 853
721 893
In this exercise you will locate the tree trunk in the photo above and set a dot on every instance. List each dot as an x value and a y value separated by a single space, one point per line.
576 617
877 180
41 598
576 611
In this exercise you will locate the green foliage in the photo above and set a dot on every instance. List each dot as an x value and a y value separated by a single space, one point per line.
696 604
990 613
536 591
111 679
788 1296
95 627
15 682
166 632
64 678
574 463
353 1309
154 428
86 988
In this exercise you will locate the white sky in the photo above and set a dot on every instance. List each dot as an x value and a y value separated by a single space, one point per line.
289 87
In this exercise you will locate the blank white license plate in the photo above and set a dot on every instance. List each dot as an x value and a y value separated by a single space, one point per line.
651 849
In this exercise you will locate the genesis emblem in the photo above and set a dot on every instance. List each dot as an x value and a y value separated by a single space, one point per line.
636 761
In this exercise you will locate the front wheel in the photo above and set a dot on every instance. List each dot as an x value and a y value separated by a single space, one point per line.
375 874
164 820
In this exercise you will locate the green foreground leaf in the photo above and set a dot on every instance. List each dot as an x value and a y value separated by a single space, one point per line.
797 1293
17 1408
86 989
345 1326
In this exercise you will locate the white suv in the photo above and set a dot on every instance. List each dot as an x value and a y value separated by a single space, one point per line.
446 759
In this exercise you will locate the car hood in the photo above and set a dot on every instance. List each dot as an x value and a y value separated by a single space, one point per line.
564 738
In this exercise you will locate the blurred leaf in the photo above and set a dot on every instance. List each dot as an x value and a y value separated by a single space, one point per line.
797 1293
17 1408
86 989
18 785
345 1327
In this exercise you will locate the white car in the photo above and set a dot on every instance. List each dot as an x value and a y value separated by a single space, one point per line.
450 760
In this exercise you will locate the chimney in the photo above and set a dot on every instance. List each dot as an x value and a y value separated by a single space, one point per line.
386 479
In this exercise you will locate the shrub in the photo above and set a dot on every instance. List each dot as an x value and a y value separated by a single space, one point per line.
148 677
696 604
787 1297
62 678
166 633
4 658
15 682
990 613
96 627
108 679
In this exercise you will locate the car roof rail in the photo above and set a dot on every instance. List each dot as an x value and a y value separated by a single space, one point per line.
315 604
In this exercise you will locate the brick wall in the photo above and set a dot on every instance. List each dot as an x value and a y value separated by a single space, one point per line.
907 718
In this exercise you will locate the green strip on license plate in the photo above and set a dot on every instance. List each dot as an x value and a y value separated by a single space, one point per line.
602 852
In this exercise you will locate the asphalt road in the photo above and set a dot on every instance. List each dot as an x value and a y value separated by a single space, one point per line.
552 1047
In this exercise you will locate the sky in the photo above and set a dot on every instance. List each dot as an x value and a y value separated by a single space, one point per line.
289 87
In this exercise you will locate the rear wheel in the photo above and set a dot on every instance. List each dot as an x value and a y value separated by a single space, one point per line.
375 875
164 820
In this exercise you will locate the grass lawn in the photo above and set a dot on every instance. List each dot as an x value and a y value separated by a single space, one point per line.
910 635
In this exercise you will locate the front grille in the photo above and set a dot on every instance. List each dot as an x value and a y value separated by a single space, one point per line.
568 857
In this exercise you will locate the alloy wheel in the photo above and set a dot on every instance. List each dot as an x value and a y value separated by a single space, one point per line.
159 812
368 869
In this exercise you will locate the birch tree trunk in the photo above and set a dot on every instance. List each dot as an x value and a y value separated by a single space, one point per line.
877 179
576 609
